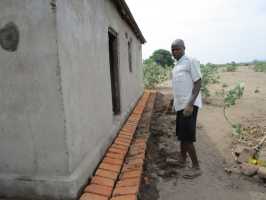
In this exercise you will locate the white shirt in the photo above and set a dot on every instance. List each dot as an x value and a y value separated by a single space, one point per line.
184 74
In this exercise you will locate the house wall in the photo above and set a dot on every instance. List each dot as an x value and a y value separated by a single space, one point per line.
84 61
32 135
56 94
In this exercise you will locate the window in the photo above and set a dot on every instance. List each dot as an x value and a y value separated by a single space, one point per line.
114 72
130 55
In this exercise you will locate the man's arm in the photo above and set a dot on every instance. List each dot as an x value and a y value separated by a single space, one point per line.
195 92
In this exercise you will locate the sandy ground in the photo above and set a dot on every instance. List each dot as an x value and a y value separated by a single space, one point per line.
164 181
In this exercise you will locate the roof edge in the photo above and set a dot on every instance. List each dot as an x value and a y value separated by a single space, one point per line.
126 14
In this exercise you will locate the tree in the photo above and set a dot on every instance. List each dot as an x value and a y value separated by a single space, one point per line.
162 57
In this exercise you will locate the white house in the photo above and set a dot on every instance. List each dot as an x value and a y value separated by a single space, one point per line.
70 73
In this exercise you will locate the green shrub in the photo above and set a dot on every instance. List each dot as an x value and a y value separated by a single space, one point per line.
231 68
209 76
154 73
230 98
260 67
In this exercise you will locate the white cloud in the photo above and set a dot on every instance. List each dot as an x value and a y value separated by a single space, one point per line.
214 30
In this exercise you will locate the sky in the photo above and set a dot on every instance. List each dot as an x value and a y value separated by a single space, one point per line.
215 31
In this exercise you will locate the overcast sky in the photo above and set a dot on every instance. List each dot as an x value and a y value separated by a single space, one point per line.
216 31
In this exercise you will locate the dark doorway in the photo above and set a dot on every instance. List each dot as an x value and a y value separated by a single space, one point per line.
114 70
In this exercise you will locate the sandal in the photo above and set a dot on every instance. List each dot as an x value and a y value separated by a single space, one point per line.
176 163
192 173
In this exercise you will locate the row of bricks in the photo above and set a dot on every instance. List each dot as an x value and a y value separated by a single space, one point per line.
111 172
129 181
130 178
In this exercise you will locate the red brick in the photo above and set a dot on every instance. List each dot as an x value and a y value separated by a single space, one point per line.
123 136
119 146
124 132
99 189
133 157
123 140
135 161
140 141
126 135
131 167
130 135
128 182
129 129
139 145
103 181
115 156
106 174
113 161
141 148
125 197
131 174
117 151
125 190
132 123
90 196
113 168
134 120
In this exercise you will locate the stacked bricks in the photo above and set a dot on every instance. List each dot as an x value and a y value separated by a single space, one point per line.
128 184
113 178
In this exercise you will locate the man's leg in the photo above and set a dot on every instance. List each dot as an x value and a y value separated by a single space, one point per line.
195 170
193 155
184 152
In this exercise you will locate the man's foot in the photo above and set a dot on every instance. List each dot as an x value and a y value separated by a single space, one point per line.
181 164
176 163
192 173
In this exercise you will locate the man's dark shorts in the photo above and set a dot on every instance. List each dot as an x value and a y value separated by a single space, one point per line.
186 126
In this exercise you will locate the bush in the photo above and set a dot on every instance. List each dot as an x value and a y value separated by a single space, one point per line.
154 73
230 99
260 67
231 68
209 76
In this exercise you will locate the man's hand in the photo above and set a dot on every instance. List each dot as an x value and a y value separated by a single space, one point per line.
188 111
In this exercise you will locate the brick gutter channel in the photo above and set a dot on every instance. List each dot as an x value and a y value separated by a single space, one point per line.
118 176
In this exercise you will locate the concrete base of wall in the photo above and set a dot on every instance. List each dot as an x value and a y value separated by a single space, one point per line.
59 188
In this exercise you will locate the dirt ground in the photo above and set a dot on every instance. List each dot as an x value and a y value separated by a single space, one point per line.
163 180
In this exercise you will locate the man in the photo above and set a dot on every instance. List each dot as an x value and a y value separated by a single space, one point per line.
186 82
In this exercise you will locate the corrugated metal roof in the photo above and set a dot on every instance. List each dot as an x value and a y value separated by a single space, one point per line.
128 17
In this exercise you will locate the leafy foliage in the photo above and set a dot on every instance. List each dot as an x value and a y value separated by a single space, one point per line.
260 67
231 67
162 57
234 94
230 99
209 76
154 73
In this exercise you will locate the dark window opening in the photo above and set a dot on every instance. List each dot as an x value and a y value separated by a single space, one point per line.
114 72
130 55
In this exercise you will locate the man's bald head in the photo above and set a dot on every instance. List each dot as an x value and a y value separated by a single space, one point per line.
178 48
178 43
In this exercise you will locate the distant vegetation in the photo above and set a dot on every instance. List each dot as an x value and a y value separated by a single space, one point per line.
260 67
163 58
154 73
157 68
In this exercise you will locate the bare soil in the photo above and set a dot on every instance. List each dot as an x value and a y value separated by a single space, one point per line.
163 180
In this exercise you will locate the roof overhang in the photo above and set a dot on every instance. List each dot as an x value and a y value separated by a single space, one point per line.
128 17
